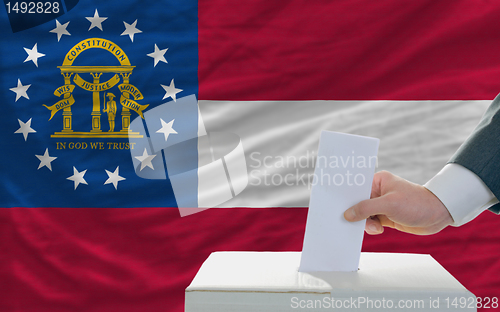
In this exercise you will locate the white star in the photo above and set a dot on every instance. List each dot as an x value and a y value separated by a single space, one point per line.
171 91
20 90
25 128
166 128
145 160
130 30
96 20
33 55
158 55
45 160
77 177
60 30
114 177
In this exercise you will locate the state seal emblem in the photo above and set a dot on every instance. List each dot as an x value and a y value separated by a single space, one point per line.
98 91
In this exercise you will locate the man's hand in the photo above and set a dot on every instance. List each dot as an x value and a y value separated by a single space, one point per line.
401 205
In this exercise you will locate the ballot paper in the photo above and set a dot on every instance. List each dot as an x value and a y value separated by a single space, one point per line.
343 176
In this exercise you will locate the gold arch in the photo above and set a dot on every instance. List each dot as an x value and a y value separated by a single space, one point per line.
96 43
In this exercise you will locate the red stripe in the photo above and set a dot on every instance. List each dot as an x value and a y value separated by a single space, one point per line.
143 259
349 50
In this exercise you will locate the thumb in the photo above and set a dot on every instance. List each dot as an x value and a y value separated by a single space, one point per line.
367 208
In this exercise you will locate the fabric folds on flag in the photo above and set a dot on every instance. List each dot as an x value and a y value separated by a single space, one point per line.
417 76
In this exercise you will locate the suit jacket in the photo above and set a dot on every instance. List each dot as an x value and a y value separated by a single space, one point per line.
480 153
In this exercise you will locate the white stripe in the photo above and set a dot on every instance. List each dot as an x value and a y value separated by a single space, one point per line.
417 139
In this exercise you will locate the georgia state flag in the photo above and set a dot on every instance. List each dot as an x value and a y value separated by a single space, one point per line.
75 85
89 88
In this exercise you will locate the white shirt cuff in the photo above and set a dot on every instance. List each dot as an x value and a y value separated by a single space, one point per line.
462 192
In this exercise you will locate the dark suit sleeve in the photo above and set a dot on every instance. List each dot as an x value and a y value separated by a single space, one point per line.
480 153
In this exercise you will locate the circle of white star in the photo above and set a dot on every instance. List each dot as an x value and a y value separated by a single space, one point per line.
33 55
114 177
145 160
45 160
25 128
171 91
158 55
60 30
20 90
130 30
166 128
96 21
77 177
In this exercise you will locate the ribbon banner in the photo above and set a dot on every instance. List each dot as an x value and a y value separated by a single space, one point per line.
68 100
62 90
132 90
60 105
128 91
133 105
95 87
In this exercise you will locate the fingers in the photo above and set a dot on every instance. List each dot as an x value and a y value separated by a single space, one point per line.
380 179
376 187
367 208
373 226
386 222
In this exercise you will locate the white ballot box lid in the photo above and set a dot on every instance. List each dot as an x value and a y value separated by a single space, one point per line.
270 281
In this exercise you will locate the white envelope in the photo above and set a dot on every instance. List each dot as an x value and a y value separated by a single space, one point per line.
343 172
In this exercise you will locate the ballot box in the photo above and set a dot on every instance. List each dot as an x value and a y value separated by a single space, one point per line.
271 282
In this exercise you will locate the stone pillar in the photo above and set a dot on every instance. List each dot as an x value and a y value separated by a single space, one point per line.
67 115
96 107
125 119
125 111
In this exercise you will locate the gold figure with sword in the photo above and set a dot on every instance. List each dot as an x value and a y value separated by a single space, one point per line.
110 108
